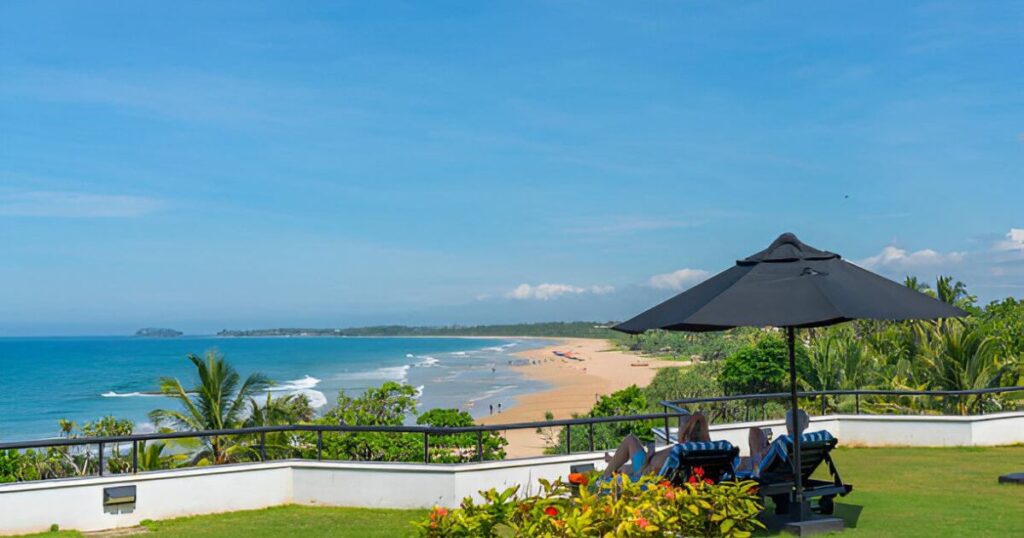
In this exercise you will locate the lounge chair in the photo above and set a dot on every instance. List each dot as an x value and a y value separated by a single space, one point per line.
774 473
716 458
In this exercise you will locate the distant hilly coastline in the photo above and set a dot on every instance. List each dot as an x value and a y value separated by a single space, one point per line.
579 329
158 332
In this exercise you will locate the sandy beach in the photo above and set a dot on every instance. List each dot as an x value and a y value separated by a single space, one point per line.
599 369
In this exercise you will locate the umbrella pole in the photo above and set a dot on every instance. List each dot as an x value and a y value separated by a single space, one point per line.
797 508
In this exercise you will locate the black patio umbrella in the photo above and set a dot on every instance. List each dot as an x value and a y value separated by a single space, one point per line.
789 285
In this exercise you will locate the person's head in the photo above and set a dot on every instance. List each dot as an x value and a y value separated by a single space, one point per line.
802 421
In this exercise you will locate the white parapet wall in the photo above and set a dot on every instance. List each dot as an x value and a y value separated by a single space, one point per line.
78 503
895 430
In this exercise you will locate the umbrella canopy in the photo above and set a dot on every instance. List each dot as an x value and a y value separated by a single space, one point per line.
789 285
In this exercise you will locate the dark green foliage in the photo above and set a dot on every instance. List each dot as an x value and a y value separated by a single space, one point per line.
682 345
460 447
628 401
762 367
387 405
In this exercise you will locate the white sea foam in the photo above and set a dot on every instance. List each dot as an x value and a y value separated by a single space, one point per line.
112 394
494 391
307 382
459 353
316 398
426 361
389 373
305 387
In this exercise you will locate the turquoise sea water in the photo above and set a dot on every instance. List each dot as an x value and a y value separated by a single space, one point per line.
45 379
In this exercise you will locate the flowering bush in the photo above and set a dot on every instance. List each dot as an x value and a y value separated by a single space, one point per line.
617 508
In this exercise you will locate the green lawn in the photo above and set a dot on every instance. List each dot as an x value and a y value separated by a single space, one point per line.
897 492
931 491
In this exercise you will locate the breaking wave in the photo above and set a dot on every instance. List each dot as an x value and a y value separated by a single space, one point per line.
305 387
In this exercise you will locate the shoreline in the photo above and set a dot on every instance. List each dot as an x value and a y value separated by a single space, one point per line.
575 384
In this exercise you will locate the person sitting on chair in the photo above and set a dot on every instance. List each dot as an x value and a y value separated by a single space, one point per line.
634 460
759 441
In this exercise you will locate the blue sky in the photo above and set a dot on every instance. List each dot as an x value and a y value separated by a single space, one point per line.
248 164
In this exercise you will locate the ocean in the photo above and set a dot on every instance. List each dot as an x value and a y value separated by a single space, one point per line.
43 380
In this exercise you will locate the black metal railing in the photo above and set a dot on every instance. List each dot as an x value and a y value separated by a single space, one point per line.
673 409
689 405
133 441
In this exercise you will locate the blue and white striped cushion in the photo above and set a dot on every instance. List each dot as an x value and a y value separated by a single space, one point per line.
702 446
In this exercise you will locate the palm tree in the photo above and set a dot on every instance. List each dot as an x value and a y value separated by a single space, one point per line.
917 285
217 402
959 356
281 411
954 293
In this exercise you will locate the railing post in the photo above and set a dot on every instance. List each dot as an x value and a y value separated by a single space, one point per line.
263 446
480 445
568 438
319 445
857 402
823 405
101 460
426 447
135 457
590 433
668 437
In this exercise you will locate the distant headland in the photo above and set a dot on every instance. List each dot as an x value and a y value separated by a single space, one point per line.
157 332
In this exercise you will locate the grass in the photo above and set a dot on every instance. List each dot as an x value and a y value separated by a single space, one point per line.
903 492
292 521
931 491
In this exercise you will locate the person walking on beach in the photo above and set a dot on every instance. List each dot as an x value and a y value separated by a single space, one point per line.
492 409
499 407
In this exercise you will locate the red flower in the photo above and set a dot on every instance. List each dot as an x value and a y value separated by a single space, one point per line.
665 484
699 471
551 511
438 512
692 479
578 479
709 481
642 523
670 495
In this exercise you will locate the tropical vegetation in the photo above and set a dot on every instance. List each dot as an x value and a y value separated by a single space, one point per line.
983 350
592 507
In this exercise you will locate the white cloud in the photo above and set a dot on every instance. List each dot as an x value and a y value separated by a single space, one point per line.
677 280
897 258
543 292
74 205
1014 241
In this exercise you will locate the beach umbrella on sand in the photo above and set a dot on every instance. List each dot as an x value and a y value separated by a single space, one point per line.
789 285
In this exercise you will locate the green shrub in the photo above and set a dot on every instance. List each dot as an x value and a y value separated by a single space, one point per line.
611 508
460 447
761 367
628 401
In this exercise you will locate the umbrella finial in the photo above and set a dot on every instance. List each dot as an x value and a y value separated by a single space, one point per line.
786 248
